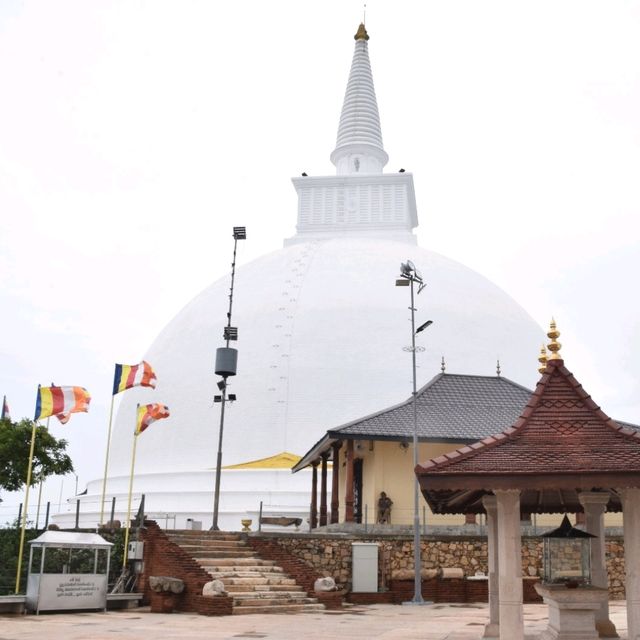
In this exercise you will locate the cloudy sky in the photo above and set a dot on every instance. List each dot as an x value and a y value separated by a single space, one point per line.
135 134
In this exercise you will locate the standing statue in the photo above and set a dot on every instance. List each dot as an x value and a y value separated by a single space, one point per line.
384 508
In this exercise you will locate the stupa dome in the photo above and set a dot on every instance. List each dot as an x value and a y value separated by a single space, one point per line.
322 331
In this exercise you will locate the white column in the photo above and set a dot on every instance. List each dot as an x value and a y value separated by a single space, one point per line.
492 630
631 518
510 565
594 504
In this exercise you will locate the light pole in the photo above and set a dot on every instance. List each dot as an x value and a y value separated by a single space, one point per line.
409 275
226 365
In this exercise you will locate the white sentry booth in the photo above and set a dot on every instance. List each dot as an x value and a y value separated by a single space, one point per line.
68 571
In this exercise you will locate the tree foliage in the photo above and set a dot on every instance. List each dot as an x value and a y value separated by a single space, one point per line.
49 457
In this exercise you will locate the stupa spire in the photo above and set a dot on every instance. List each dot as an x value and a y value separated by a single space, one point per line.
359 146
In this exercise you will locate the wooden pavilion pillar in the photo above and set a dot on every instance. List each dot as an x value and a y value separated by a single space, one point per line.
631 522
314 495
348 498
323 490
335 483
510 564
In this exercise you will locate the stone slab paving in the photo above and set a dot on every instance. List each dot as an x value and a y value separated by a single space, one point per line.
375 622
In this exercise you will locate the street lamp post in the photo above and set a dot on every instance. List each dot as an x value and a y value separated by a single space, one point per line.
226 365
409 275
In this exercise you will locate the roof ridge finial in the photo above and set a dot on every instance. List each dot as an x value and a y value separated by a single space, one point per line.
554 346
361 33
498 367
542 359
443 366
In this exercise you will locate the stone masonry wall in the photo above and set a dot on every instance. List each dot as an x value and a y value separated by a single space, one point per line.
331 556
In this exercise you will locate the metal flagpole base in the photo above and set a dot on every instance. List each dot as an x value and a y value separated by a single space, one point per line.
416 603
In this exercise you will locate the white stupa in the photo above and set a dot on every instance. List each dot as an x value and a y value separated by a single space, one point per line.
321 335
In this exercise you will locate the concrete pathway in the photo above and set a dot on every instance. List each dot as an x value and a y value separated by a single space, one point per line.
379 622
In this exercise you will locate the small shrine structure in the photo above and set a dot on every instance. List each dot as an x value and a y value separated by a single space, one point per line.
563 455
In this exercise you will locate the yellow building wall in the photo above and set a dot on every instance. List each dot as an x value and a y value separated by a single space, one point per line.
388 467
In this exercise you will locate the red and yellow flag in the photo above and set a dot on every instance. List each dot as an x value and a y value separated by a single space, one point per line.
61 402
149 413
127 376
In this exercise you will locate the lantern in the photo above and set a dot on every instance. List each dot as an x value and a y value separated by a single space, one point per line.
567 556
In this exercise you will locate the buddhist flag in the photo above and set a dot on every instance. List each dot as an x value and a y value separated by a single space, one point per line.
5 410
127 376
149 413
61 402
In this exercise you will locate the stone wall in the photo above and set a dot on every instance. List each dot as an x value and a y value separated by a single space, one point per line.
329 555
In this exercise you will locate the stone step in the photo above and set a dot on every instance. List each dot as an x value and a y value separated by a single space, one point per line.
283 608
272 600
222 575
261 588
270 595
187 543
210 553
203 535
235 562
260 580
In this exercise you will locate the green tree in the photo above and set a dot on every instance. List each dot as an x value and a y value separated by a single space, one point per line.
49 455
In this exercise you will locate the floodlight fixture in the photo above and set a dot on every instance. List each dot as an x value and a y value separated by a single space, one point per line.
222 385
401 282
232 397
239 233
230 333
422 327
217 398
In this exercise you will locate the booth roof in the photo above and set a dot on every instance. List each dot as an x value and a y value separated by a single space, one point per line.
70 539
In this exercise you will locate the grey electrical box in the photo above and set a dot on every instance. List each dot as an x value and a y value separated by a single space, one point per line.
364 567
193 525
136 551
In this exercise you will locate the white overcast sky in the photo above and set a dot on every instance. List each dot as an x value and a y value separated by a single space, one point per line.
134 135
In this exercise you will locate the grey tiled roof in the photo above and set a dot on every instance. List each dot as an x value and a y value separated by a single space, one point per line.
450 407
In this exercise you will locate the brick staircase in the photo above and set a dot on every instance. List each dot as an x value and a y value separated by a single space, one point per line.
256 585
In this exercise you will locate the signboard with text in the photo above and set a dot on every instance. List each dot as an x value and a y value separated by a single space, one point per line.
56 591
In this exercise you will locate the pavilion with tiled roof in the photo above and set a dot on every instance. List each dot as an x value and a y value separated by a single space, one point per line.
452 409
562 455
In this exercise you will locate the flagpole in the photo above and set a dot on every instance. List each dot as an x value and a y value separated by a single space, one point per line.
106 464
26 506
40 488
125 552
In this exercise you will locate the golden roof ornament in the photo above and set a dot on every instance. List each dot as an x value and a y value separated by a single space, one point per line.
362 33
542 359
554 346
443 366
498 371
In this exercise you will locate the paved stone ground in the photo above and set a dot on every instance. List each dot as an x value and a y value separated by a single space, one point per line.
380 622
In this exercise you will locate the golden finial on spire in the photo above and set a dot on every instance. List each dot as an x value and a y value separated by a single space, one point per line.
542 359
498 367
442 365
362 33
554 346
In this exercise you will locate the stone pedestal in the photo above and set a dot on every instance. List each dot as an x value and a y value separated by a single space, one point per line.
572 612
